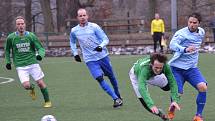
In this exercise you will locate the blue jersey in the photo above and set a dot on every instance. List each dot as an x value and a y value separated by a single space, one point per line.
182 39
89 37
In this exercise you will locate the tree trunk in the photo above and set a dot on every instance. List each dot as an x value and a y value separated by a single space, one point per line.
6 17
47 14
194 6
61 15
152 9
28 16
66 10
212 3
75 5
73 8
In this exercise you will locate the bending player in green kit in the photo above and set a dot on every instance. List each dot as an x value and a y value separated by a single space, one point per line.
154 71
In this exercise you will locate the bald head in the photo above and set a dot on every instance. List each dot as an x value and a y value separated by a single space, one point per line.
82 16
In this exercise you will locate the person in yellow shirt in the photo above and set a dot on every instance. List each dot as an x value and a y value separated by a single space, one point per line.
157 31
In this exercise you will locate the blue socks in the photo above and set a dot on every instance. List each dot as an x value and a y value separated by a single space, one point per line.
200 101
108 89
115 86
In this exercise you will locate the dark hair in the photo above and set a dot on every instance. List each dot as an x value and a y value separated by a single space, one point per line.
196 15
158 56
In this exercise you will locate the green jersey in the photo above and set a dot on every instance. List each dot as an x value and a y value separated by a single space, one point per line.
23 48
144 72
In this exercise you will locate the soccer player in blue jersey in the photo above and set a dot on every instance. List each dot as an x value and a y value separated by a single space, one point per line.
185 44
93 41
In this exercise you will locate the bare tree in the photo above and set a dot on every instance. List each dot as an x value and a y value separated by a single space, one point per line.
5 8
8 13
212 3
88 3
152 9
28 16
61 14
66 10
194 5
47 14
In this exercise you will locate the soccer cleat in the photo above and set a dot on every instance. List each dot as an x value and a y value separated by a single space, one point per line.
197 118
117 103
33 94
162 115
171 115
47 104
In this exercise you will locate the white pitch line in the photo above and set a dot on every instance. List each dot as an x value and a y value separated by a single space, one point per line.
8 80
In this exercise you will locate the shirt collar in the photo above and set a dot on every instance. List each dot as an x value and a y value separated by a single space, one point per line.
84 24
25 33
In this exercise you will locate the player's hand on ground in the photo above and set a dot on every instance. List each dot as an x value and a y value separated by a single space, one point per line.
98 49
38 57
8 66
154 110
77 58
174 104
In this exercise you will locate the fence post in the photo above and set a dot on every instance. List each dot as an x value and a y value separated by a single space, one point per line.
128 16
46 40
104 25
141 25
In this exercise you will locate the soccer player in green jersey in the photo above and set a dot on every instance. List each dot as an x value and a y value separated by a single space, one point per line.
154 71
26 51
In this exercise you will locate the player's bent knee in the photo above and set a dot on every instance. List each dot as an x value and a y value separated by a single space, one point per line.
26 85
100 78
41 83
202 87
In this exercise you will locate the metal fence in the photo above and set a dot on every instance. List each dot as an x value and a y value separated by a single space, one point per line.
116 26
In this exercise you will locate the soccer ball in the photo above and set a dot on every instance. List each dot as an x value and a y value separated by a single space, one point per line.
48 118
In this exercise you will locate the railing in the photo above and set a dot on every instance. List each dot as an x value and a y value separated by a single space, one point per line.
117 26
130 32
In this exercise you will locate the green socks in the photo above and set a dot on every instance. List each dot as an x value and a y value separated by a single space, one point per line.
45 94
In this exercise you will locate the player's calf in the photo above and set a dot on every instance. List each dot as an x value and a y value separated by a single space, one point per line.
33 94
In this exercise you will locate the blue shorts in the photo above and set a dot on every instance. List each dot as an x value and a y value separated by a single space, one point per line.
100 68
192 76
